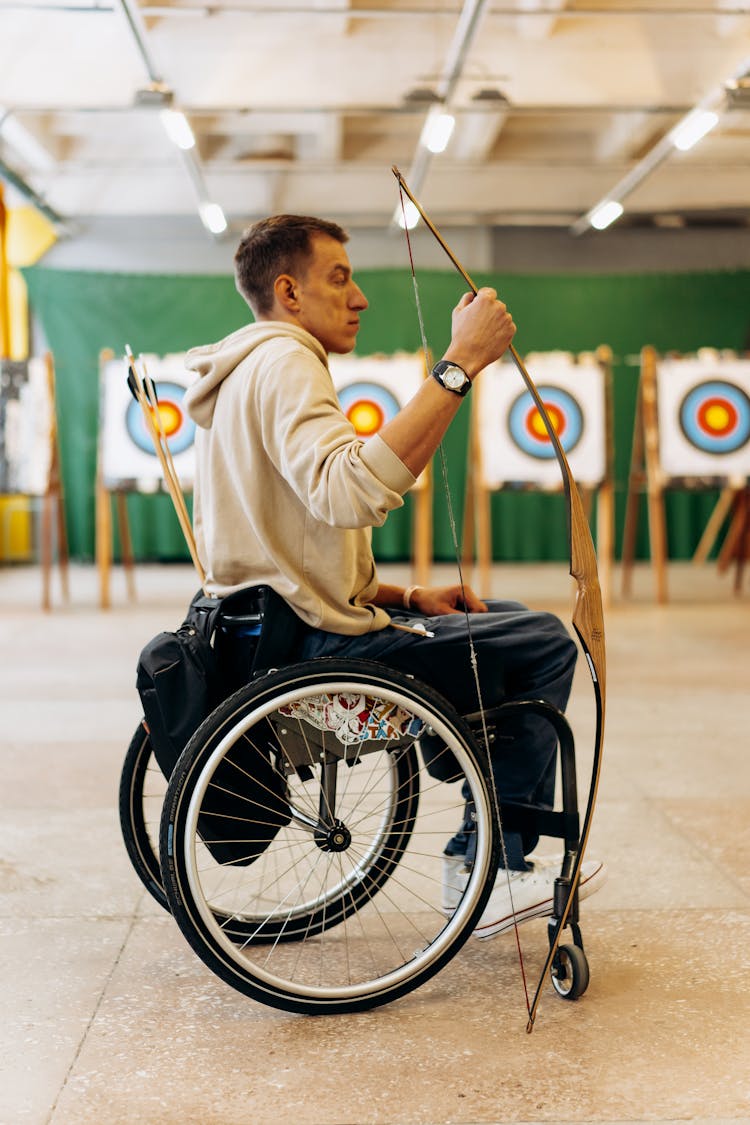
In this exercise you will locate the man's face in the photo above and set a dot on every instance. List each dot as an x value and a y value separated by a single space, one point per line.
329 300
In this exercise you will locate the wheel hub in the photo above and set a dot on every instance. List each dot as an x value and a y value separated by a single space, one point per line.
333 838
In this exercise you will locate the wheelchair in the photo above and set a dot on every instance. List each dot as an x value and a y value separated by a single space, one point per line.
298 841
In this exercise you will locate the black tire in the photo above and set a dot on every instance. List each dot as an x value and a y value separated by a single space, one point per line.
359 895
142 789
570 972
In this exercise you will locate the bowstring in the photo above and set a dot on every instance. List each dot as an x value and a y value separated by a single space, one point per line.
472 649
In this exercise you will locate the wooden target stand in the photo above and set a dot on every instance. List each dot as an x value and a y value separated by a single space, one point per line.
646 475
477 523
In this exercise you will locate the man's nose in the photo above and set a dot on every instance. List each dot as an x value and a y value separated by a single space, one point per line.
358 299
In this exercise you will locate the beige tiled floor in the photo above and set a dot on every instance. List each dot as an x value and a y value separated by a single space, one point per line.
108 1017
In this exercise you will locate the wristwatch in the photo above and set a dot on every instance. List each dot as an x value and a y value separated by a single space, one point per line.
452 377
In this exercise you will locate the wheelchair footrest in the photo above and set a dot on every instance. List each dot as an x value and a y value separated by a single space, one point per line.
518 817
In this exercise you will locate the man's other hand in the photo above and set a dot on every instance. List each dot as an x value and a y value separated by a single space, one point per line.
434 600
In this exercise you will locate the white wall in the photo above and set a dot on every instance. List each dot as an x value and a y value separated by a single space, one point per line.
170 245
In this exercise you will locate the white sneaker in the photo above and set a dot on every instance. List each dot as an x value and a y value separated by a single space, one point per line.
530 894
455 878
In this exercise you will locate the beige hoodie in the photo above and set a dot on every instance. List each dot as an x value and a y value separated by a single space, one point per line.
285 492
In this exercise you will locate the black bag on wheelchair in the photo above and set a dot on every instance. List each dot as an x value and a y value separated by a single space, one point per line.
183 676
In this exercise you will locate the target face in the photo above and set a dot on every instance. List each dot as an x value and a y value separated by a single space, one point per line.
368 406
127 456
527 428
514 446
704 416
715 417
178 428
371 389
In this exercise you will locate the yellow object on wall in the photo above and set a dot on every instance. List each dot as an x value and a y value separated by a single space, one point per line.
18 316
15 529
27 236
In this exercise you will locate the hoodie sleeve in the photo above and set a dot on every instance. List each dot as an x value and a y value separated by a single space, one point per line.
341 480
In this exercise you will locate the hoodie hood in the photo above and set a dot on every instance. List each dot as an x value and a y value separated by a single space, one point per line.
214 362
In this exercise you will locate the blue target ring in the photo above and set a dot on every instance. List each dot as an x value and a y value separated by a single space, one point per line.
715 417
368 406
527 429
178 427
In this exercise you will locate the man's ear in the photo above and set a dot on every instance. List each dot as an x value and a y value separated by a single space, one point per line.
285 291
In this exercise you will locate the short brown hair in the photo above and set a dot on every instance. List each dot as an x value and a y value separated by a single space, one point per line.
280 244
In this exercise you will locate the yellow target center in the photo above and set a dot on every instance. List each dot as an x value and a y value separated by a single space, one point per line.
717 417
536 422
171 418
366 417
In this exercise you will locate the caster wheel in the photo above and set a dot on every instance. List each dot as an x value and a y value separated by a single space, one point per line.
570 972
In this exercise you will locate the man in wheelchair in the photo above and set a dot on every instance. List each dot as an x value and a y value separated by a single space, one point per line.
286 496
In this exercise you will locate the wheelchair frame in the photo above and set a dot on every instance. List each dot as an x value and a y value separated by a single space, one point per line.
173 878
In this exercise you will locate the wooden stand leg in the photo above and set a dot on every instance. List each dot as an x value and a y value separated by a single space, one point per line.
103 542
468 531
483 501
713 527
126 543
658 537
422 524
744 543
632 503
45 550
735 545
605 539
62 547
628 540
656 520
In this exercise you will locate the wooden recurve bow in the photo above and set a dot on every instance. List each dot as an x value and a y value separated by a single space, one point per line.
587 617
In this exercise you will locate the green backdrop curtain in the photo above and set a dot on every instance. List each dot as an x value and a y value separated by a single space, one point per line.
81 313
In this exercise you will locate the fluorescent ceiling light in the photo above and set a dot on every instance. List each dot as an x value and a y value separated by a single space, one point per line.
213 218
695 126
605 214
407 216
177 128
438 129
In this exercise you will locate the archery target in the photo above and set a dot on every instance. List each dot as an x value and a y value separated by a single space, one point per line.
704 416
368 406
178 428
527 428
715 417
372 389
514 446
127 455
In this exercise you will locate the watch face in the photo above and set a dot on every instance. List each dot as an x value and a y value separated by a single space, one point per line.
454 379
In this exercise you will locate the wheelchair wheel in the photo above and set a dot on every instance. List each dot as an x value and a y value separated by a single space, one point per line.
337 905
142 789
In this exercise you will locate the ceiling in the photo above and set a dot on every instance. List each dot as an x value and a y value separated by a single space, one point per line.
305 106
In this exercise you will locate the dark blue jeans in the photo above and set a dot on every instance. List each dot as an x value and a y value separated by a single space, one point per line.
521 654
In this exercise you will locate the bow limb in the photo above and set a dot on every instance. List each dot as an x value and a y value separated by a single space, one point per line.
588 613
